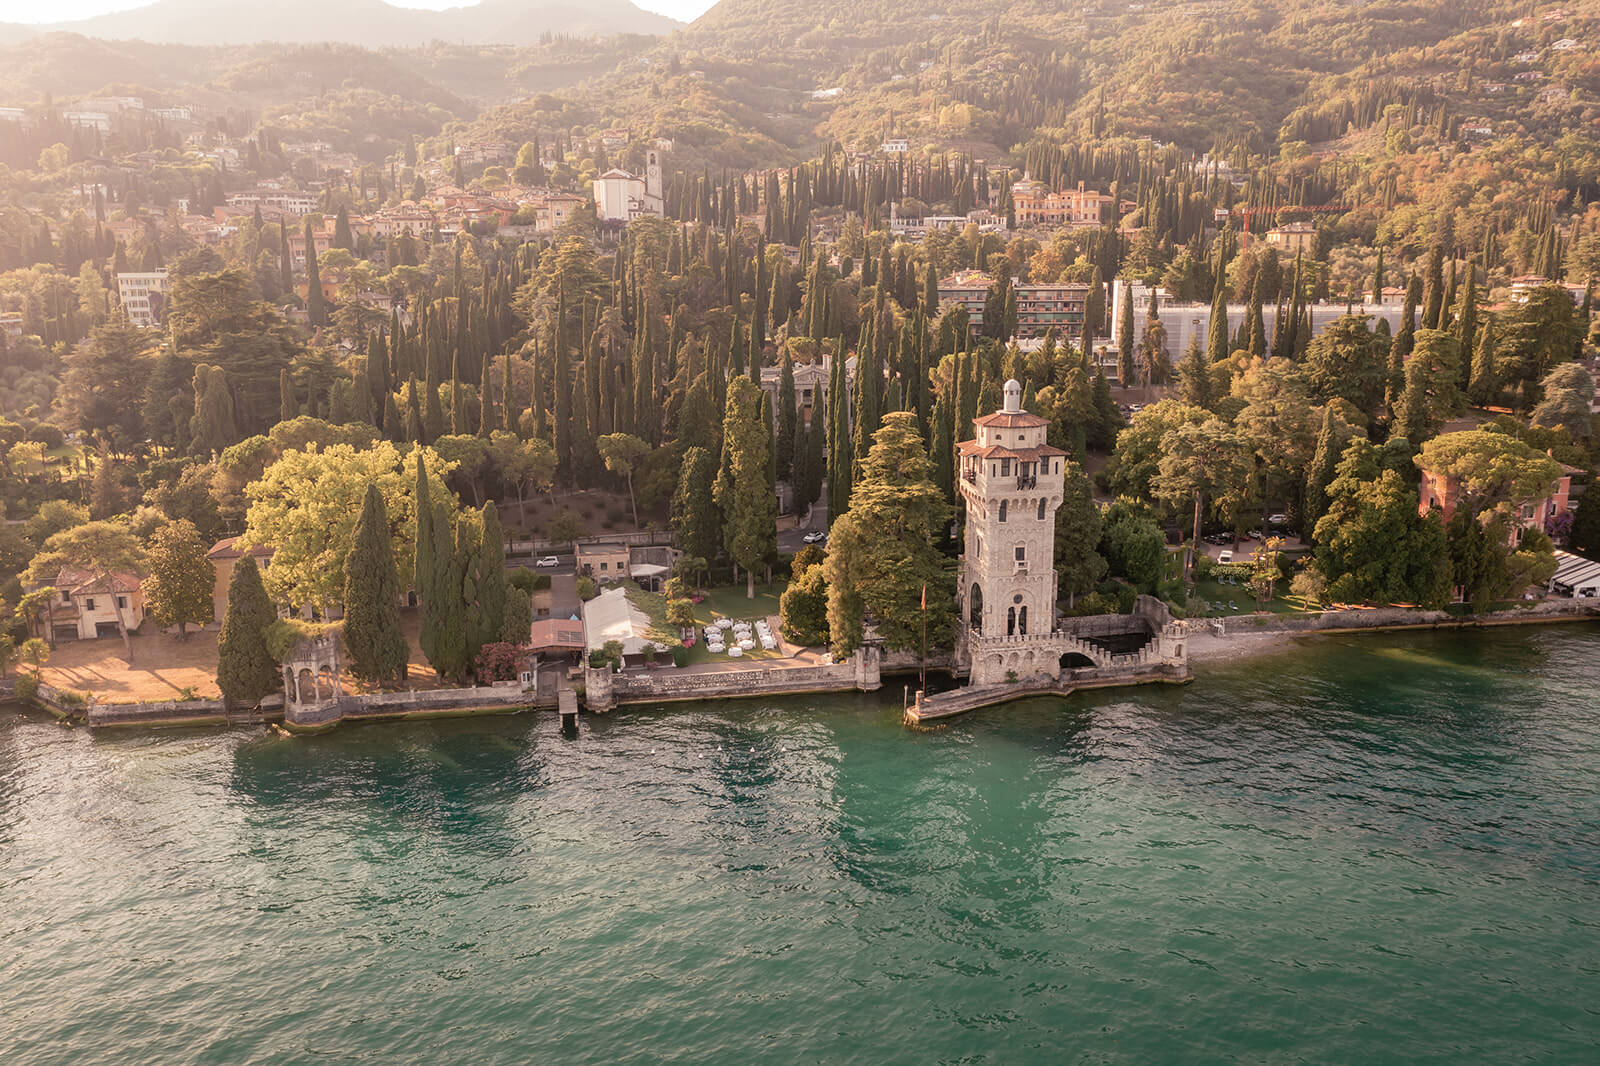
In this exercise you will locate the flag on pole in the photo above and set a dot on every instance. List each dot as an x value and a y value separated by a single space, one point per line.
924 595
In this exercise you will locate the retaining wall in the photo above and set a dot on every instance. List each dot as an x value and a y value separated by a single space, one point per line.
1401 618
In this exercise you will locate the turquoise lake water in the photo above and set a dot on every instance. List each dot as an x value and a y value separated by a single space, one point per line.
1368 850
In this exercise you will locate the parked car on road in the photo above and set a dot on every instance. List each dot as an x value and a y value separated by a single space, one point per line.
816 536
549 562
1277 519
1225 556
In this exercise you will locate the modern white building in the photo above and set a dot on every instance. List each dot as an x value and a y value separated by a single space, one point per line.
1187 322
143 296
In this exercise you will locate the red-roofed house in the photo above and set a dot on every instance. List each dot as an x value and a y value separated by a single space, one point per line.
87 606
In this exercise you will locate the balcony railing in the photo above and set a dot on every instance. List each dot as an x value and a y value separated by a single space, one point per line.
1027 481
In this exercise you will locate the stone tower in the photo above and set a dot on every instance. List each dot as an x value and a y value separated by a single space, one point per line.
654 194
1011 483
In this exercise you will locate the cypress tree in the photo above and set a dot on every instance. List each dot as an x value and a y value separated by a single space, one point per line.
372 634
429 567
1125 340
1466 324
788 418
1319 475
245 668
1194 377
288 408
1377 278
868 399
491 578
1483 385
456 595
1217 336
841 453
315 305
341 231
376 381
416 431
1256 340
563 389
285 271
1433 289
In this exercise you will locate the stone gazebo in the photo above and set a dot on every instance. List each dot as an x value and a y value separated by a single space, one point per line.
312 694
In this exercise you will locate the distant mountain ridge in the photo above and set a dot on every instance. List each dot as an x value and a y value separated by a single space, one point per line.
371 23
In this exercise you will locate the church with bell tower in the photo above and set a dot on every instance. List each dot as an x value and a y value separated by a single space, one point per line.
1011 484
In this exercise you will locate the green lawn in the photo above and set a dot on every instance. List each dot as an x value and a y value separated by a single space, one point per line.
729 601
1210 592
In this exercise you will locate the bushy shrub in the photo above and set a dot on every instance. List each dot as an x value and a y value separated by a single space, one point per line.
27 687
680 655
586 588
680 612
499 661
48 435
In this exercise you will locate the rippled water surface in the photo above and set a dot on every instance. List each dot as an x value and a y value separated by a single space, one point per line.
1381 850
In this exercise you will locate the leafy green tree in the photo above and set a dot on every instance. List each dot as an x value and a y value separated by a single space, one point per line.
1533 338
1348 360
1194 380
1133 545
1431 395
246 670
622 453
1585 535
103 387
803 609
372 635
1198 462
694 511
881 553
213 428
305 506
35 653
1491 468
1332 439
1079 566
1372 546
1567 391
181 580
1137 458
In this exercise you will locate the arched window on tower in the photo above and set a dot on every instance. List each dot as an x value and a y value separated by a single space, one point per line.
1041 508
1002 510
1011 621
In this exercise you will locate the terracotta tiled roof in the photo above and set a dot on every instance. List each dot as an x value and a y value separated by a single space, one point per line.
81 582
556 633
228 548
1010 420
998 451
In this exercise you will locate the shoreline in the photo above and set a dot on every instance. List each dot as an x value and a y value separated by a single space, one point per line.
1207 648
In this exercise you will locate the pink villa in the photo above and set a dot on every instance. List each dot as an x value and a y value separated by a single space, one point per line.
1444 492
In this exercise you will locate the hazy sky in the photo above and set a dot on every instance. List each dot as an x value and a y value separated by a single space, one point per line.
63 10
